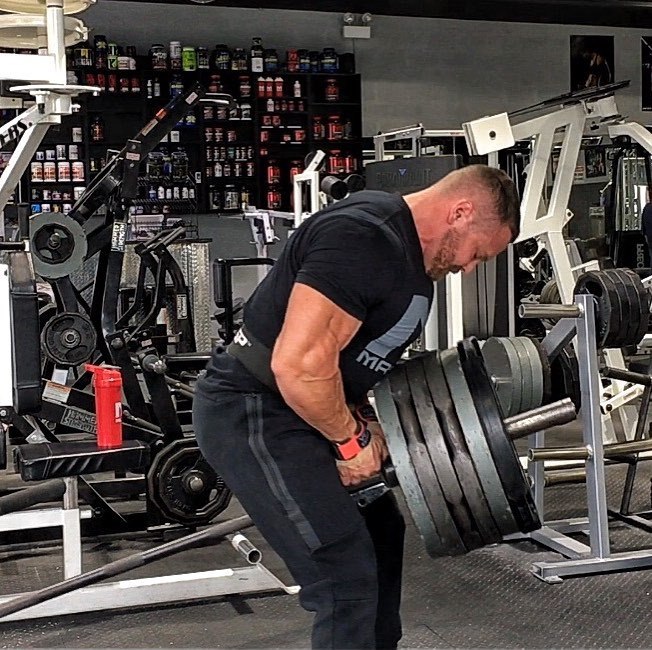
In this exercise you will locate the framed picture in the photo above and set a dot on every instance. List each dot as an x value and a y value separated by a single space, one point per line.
592 61
595 162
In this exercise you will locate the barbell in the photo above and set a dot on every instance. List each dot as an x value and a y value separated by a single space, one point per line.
452 450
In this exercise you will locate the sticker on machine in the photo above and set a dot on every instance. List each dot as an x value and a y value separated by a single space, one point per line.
80 420
56 392
182 306
119 236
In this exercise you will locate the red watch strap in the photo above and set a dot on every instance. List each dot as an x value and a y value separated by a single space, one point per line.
348 449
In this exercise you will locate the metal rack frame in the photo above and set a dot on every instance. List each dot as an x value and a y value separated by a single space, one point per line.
596 557
255 578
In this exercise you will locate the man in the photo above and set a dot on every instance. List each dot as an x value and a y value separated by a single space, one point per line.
646 228
283 416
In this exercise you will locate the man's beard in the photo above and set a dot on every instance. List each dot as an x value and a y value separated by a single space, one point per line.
442 263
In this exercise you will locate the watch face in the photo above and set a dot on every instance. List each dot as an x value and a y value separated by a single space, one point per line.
364 438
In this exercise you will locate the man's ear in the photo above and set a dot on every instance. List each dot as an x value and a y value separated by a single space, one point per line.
461 213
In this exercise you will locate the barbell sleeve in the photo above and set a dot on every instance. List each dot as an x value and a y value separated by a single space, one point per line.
541 418
561 477
552 312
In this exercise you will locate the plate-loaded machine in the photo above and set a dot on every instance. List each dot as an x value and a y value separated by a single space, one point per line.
181 487
83 331
562 120
565 118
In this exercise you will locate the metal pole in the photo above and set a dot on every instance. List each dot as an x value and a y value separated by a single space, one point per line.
587 360
541 418
614 450
565 476
533 310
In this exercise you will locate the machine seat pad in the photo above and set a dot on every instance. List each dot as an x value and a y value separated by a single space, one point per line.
56 459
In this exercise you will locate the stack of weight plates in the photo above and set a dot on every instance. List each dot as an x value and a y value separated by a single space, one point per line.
622 306
458 469
520 372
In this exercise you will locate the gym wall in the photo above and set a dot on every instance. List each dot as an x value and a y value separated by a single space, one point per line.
438 72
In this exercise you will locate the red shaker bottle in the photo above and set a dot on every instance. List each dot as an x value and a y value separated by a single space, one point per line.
108 405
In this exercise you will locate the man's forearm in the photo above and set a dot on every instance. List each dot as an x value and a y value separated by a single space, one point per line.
320 401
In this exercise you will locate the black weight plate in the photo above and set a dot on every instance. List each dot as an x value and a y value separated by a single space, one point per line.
545 366
68 339
565 377
407 478
602 287
629 306
168 490
645 298
550 293
464 468
433 439
533 328
508 465
477 444
642 304
423 467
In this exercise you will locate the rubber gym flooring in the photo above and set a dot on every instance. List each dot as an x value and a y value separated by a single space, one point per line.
485 599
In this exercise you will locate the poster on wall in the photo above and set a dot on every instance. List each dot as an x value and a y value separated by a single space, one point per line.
646 73
592 61
595 162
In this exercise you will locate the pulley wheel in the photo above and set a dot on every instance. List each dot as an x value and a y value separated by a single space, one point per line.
69 339
57 243
183 487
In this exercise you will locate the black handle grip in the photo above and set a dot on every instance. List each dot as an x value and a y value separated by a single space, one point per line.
48 491
626 375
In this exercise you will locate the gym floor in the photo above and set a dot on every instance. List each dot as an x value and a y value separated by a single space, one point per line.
487 598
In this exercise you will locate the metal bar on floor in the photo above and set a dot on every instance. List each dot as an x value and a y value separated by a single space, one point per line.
154 591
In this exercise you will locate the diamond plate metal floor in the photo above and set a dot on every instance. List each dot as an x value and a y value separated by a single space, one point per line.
486 599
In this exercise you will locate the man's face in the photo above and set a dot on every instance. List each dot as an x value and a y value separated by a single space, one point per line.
463 251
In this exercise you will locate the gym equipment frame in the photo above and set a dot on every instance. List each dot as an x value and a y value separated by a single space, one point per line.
566 119
46 72
577 322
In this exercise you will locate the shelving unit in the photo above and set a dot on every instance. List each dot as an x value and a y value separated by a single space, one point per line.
230 160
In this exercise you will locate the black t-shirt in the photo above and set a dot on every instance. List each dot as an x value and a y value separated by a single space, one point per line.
363 254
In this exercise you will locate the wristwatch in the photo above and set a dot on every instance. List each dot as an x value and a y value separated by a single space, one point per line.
351 447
